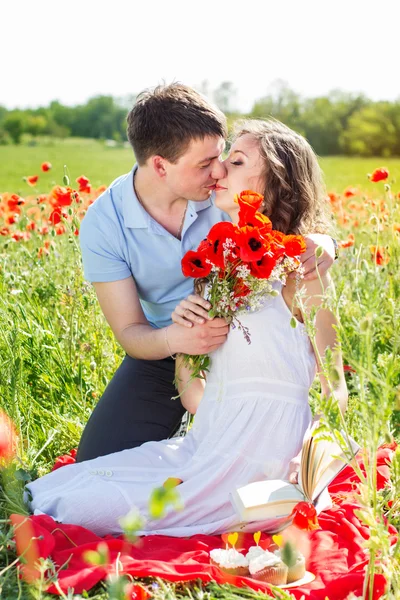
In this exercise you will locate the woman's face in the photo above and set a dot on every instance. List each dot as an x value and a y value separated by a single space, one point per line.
243 171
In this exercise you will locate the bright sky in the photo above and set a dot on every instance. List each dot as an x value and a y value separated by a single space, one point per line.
79 48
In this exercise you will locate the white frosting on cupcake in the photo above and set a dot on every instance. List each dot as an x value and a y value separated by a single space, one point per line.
267 559
253 552
229 559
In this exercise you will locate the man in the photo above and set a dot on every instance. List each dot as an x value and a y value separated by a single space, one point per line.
133 239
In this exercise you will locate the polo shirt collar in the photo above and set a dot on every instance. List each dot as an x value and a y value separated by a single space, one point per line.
135 217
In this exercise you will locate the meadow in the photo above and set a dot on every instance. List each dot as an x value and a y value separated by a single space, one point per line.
57 353
101 164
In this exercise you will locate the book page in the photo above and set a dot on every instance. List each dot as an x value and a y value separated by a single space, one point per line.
321 461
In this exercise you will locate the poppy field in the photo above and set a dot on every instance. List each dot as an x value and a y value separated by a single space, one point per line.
57 353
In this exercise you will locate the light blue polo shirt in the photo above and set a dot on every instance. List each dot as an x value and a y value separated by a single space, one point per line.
119 239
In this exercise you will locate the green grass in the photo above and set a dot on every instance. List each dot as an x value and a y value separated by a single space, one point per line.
82 157
102 165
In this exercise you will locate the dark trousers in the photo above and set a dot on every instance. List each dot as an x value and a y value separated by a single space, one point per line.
136 407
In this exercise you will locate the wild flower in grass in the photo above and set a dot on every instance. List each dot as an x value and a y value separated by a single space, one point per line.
32 180
84 184
379 255
61 196
56 215
8 439
46 166
133 591
347 243
350 191
379 175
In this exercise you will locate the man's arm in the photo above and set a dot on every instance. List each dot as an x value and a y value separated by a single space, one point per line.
120 304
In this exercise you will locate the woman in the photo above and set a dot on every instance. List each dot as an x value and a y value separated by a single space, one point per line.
254 412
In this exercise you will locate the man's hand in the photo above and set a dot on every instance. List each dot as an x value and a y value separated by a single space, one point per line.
310 261
198 339
191 311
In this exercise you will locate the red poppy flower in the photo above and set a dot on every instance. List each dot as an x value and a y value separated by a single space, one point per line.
20 235
11 219
332 197
204 246
195 264
60 229
217 238
347 243
305 516
277 243
31 226
65 459
133 591
8 438
27 546
46 166
248 217
55 216
84 184
14 202
379 175
249 198
348 369
4 231
42 251
32 180
350 191
252 245
61 196
294 245
379 255
240 290
263 268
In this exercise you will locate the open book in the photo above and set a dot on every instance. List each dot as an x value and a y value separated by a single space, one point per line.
321 460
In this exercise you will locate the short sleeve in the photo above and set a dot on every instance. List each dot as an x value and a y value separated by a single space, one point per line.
101 249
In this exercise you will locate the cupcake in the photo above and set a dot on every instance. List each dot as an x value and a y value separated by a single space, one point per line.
253 552
297 570
230 561
269 568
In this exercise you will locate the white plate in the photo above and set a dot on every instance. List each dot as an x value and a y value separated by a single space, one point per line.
308 578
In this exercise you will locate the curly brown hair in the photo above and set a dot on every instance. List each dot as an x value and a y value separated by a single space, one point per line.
294 194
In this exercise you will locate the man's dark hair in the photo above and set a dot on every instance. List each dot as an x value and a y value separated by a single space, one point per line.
166 119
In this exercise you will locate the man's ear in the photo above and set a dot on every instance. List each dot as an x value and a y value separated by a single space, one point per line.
158 163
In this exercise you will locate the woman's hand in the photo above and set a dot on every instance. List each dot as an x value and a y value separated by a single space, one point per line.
294 467
192 311
310 261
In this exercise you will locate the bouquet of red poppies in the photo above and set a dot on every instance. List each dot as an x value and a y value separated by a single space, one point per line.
238 264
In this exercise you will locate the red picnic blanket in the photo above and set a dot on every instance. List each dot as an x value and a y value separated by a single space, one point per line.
335 553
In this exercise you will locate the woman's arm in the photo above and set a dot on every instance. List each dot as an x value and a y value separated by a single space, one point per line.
325 337
314 292
190 393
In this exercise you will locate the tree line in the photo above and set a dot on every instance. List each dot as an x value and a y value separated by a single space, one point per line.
337 123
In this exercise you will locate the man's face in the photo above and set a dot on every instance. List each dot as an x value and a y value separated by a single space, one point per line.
194 175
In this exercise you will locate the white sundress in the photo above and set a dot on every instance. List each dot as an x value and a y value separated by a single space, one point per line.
249 425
